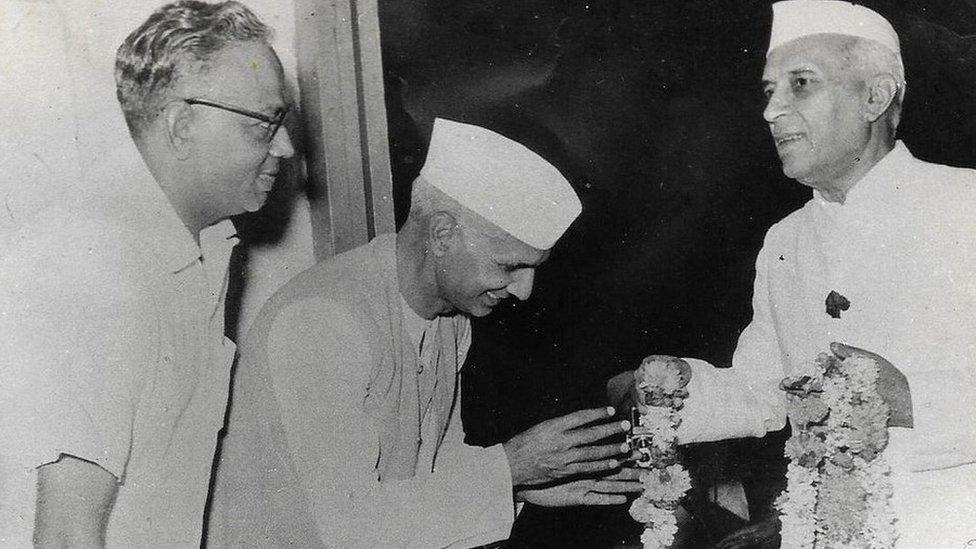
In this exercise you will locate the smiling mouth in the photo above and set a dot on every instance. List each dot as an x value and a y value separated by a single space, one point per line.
494 296
787 138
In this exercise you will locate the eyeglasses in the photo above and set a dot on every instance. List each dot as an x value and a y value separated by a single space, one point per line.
274 122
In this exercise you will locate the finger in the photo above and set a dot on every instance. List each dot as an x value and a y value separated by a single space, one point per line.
590 467
596 498
617 486
581 417
842 350
595 453
587 435
685 371
625 473
619 386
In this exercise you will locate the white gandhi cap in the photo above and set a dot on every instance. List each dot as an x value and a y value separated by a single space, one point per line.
794 19
502 181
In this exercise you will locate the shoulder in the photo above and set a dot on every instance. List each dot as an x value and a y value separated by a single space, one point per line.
943 195
311 337
785 230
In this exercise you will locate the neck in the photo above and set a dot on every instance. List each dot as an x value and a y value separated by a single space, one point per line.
415 272
878 146
171 182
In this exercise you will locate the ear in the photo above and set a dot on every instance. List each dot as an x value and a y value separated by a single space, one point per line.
882 90
443 233
177 120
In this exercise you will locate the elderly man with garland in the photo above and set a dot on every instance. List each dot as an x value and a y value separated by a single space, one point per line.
882 258
345 427
113 358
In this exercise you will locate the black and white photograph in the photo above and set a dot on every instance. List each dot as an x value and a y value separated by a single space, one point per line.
616 274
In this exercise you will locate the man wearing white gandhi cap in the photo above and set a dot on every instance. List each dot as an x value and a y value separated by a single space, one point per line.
881 259
345 425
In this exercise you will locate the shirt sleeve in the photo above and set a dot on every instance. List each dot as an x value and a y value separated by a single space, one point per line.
320 361
490 466
744 400
72 355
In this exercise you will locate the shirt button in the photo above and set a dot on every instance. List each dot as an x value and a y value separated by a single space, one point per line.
420 368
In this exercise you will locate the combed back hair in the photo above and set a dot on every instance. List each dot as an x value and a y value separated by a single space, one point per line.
177 40
871 58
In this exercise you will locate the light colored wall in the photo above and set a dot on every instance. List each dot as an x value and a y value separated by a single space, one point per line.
57 59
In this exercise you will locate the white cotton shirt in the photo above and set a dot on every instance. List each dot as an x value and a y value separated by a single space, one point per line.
113 352
902 250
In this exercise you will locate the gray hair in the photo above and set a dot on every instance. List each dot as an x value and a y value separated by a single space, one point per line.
177 40
869 58
426 200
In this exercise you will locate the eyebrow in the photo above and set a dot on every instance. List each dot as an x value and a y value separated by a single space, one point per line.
795 72
802 70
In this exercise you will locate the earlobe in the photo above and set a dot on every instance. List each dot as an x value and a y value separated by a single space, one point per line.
443 232
177 118
882 90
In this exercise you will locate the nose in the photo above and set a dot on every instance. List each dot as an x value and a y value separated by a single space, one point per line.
281 146
521 284
776 106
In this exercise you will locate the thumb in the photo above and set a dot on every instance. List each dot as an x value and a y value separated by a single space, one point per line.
842 350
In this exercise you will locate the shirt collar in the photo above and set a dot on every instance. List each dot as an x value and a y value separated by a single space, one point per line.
877 183
124 174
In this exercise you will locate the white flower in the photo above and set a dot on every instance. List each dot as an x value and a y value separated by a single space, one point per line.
852 384
661 534
663 486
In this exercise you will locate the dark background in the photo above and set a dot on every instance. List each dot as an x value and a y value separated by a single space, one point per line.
652 109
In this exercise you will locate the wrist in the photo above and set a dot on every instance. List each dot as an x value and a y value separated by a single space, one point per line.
513 469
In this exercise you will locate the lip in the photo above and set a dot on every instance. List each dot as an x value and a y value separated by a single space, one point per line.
493 299
786 138
269 180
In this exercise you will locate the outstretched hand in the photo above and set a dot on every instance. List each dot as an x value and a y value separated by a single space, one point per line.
892 384
609 490
562 447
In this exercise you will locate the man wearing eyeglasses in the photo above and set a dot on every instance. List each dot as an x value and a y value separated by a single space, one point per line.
113 365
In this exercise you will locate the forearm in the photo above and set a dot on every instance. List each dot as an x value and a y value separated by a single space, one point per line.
465 502
74 501
725 403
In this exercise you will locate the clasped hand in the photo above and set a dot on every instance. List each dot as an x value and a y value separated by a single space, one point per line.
611 489
892 384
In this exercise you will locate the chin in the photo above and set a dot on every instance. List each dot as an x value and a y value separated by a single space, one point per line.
793 171
480 311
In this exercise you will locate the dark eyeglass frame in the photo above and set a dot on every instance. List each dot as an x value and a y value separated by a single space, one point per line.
274 122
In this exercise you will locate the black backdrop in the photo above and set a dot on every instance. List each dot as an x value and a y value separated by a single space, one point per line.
653 110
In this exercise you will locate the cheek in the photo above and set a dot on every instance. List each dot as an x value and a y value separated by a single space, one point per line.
240 154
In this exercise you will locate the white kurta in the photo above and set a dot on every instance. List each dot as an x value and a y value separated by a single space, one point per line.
902 250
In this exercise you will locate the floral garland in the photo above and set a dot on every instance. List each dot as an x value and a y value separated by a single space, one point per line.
838 482
655 437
